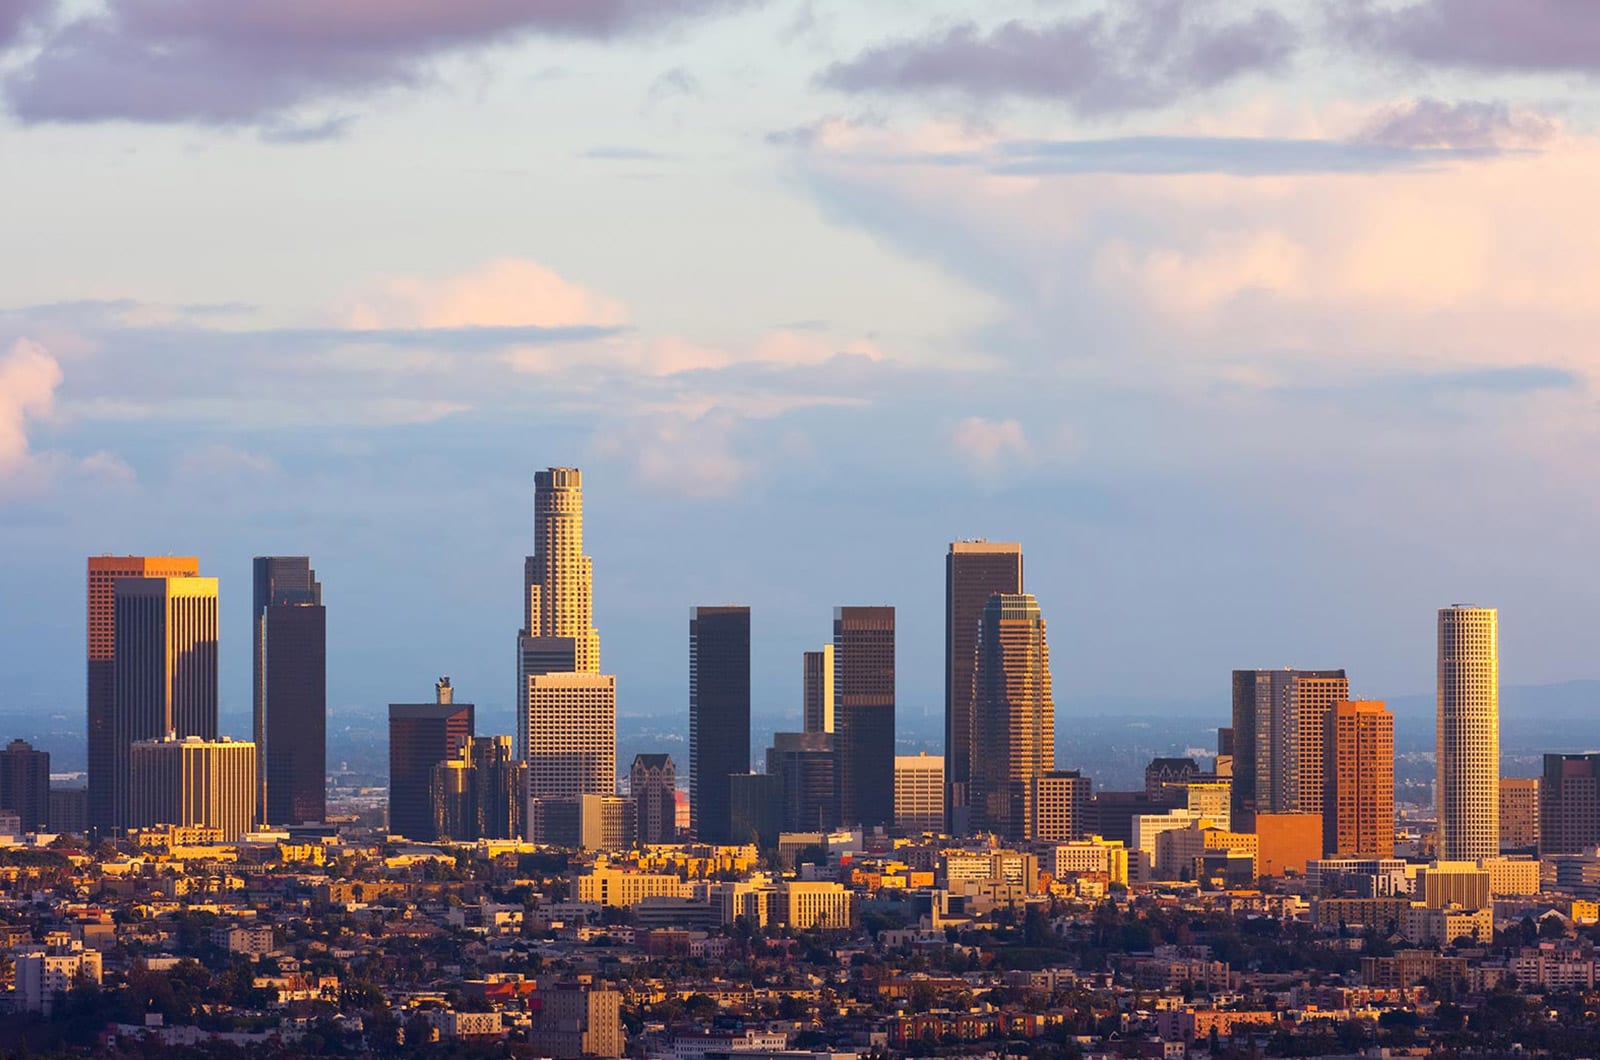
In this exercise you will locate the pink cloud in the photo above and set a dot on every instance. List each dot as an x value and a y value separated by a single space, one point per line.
510 292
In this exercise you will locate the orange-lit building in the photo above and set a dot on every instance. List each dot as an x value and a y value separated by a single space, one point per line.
1358 793
1286 841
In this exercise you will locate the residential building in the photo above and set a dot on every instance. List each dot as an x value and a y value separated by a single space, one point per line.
719 716
421 735
1358 795
165 671
919 791
863 712
1013 715
974 571
290 690
1468 750
573 1020
41 974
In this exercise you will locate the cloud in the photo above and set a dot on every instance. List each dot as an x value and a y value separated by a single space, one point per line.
1469 124
28 380
510 292
1526 35
15 15
221 462
989 445
255 61
1156 52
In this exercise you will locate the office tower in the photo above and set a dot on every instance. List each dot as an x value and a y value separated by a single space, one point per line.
188 781
1569 804
719 715
69 809
25 784
755 809
421 735
103 572
1358 794
606 822
973 572
863 715
653 784
1060 805
571 736
165 675
918 794
1278 717
817 687
1167 779
1211 799
558 578
291 690
481 793
1013 715
1519 814
1468 751
804 763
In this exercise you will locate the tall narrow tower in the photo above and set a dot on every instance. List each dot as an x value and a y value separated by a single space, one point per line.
102 653
817 689
719 716
1468 751
1013 715
165 679
291 691
973 572
1358 791
1278 719
863 697
558 577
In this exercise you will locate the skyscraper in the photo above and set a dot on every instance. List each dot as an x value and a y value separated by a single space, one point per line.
817 686
1278 718
165 675
804 762
719 716
189 781
1060 805
571 736
1519 814
1569 804
918 794
863 714
973 572
481 793
558 578
1358 793
25 784
1013 715
1468 752
652 784
291 690
103 572
421 735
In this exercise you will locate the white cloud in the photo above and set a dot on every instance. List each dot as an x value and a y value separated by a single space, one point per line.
28 380
990 444
510 292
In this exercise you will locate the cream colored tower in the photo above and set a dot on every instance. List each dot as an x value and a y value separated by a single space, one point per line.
559 578
1468 752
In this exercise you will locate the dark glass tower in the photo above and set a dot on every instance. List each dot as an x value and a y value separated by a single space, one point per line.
719 716
422 735
973 572
863 715
1569 804
291 691
25 784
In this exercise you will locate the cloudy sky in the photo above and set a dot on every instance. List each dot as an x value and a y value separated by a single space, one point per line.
1266 329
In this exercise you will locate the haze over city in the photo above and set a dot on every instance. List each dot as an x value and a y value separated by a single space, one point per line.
1267 331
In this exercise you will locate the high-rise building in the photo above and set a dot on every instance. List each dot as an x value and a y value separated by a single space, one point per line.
165 675
755 809
1167 779
1519 814
719 715
1013 715
1210 798
973 572
558 578
1569 804
817 689
918 794
571 735
863 715
25 784
1060 805
804 763
291 690
188 781
1468 752
1358 792
421 735
1278 717
103 572
652 784
481 793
